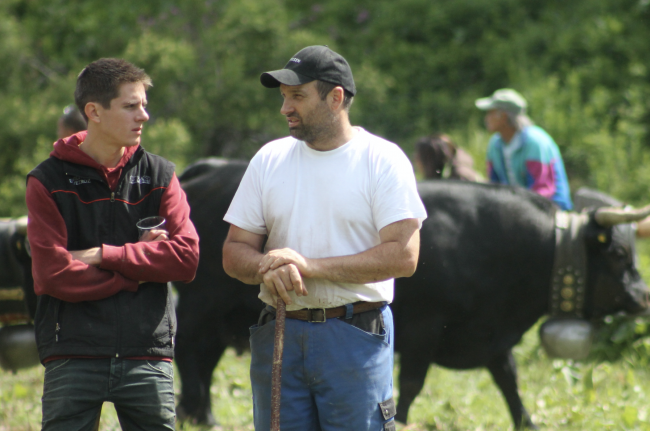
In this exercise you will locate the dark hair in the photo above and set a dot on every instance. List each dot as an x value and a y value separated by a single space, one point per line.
435 152
100 82
324 88
72 119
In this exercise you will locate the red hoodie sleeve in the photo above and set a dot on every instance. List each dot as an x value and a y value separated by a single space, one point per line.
173 260
55 272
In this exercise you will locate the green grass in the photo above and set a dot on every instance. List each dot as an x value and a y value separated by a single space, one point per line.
20 395
560 395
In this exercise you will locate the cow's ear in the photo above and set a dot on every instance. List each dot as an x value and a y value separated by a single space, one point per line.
598 235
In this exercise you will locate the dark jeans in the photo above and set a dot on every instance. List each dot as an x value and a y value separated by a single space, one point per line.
141 390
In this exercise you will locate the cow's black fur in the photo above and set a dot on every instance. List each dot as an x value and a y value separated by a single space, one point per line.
214 311
16 269
483 279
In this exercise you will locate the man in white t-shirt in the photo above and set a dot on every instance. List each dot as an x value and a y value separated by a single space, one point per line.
339 211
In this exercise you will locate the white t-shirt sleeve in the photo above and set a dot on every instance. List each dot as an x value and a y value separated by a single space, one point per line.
396 196
246 210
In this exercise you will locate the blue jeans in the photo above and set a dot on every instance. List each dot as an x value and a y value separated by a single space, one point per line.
334 375
142 391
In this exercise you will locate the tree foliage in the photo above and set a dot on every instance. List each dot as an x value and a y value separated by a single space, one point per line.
419 66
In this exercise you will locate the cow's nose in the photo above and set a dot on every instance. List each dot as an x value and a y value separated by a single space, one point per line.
640 302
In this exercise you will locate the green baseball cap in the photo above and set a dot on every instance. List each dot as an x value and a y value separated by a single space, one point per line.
505 99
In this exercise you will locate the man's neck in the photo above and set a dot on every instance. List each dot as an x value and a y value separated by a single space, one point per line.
507 133
342 136
106 155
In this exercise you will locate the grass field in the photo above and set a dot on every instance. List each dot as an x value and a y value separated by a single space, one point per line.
559 395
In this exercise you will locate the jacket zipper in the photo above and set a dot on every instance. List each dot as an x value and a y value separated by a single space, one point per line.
57 328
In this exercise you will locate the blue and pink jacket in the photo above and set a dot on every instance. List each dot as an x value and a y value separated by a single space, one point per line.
537 165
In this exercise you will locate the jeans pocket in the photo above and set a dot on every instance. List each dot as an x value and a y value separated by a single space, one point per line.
56 364
365 335
163 367
253 329
257 329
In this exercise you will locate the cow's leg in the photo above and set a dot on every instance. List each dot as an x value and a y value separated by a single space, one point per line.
412 372
196 363
504 373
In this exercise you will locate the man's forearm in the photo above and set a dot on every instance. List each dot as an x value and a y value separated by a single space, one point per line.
241 261
384 261
91 256
390 259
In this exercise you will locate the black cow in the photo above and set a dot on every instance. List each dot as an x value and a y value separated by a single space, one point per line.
483 279
17 298
13 258
214 311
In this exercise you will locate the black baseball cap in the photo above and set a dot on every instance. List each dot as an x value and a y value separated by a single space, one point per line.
309 64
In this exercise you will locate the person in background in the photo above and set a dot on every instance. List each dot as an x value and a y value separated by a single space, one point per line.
105 322
437 157
324 219
520 153
70 122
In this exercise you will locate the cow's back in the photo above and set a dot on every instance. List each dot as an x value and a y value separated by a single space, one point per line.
210 185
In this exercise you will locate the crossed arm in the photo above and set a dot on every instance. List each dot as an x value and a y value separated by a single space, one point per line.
283 270
93 256
97 273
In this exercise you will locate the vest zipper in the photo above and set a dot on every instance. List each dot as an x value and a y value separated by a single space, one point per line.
169 310
115 298
119 327
57 328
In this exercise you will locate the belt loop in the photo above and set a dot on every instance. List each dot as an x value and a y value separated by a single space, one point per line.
349 311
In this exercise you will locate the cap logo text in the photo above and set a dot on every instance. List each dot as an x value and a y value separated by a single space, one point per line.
295 60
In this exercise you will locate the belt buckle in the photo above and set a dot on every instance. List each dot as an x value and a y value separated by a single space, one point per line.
316 315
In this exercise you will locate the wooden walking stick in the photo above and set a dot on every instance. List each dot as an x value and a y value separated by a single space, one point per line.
276 372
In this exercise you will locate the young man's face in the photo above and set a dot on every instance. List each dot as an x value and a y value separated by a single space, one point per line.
309 117
121 125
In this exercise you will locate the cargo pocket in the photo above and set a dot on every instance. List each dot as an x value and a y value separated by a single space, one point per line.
265 317
388 412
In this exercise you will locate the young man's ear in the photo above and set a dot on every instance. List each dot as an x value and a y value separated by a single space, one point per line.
91 109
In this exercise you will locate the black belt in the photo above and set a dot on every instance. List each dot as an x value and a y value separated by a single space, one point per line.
322 314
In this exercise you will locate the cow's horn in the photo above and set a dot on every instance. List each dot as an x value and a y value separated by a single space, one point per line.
609 216
21 225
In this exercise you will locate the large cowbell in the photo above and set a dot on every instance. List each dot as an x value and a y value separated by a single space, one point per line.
566 338
17 347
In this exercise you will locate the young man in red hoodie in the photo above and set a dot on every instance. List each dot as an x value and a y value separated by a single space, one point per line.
105 321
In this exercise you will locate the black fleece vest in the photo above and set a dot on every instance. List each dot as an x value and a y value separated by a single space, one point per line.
127 324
